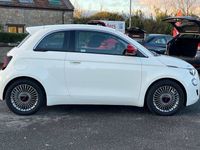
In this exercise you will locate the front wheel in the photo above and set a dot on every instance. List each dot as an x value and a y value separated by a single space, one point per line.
165 98
24 97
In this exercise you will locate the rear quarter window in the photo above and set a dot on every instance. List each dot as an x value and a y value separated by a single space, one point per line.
53 41
57 41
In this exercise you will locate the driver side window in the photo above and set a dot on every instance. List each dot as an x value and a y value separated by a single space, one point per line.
99 43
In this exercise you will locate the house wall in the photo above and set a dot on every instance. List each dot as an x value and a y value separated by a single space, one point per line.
33 17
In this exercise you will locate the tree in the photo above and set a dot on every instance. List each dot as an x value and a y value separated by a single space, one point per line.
137 19
151 24
99 16
188 7
78 12
161 26
1 27
104 15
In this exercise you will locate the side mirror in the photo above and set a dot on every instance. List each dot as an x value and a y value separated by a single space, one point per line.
131 50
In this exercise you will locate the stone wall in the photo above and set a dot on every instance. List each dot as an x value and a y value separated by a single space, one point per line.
33 17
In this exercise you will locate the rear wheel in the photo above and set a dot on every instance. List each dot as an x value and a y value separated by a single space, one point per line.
24 97
165 98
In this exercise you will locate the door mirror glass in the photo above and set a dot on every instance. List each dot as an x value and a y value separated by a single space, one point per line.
131 50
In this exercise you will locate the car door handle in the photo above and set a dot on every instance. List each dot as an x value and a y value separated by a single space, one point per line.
75 62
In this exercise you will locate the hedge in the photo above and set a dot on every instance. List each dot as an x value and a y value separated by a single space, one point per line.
11 37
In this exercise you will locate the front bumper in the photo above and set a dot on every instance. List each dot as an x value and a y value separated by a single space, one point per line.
193 92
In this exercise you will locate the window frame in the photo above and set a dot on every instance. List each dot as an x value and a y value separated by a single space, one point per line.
17 26
72 43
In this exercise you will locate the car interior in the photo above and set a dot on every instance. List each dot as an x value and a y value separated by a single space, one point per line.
185 45
98 43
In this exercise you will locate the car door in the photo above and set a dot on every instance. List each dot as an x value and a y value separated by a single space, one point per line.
50 55
97 72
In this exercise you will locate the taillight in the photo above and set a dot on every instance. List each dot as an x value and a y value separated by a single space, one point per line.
6 61
198 47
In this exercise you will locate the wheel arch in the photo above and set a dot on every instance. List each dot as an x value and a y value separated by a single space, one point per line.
24 77
178 82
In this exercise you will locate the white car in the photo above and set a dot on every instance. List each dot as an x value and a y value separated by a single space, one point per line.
91 65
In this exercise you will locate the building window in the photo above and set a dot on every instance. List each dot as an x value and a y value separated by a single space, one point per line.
26 1
5 0
16 28
54 2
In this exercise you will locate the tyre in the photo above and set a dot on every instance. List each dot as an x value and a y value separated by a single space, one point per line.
165 98
24 97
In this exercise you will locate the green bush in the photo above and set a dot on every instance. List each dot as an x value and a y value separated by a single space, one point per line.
11 37
1 27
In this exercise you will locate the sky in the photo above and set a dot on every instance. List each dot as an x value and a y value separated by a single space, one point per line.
147 6
107 5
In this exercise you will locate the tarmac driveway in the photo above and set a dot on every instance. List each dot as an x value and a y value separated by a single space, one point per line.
99 128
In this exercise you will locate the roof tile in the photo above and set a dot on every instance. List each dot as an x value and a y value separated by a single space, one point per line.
38 4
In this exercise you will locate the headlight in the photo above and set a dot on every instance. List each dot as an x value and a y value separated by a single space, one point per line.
194 82
192 71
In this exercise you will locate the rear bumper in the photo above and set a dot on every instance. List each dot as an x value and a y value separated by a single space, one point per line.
2 84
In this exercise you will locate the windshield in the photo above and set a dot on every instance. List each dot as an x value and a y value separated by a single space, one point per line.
147 38
152 37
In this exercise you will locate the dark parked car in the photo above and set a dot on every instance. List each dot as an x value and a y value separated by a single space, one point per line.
157 42
186 45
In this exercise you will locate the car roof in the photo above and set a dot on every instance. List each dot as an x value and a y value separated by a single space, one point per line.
34 29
